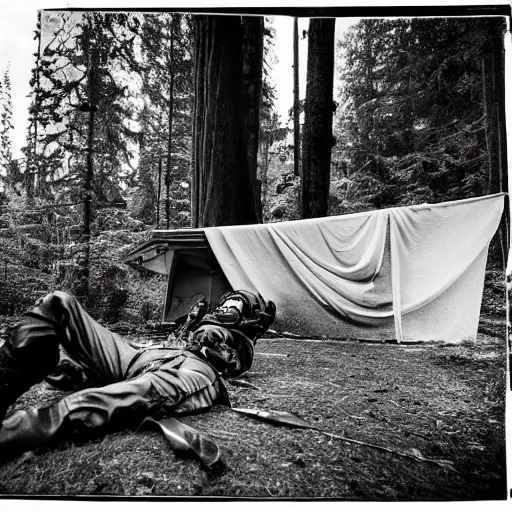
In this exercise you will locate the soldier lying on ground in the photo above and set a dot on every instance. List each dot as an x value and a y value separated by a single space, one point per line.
130 383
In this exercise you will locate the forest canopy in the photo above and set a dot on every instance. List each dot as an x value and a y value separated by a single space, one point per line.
416 109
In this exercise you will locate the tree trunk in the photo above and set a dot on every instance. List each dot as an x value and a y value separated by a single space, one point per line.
40 178
82 283
169 127
159 193
252 52
221 192
29 176
491 123
493 82
89 176
317 137
296 106
264 179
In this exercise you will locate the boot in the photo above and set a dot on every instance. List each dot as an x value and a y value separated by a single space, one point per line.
27 430
32 351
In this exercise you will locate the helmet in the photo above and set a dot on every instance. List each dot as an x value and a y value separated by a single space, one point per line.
243 311
229 351
226 335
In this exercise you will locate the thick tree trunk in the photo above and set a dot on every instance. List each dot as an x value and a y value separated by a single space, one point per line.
252 52
169 127
493 81
196 184
221 192
491 122
296 107
317 137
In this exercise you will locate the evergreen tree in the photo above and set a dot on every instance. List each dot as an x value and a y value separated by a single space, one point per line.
414 109
32 156
2 169
81 131
6 126
269 122
166 119
102 100
62 94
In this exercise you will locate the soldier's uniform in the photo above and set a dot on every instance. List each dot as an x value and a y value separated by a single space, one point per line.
129 383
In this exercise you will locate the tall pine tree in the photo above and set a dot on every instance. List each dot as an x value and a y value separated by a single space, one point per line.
166 119
415 117
6 126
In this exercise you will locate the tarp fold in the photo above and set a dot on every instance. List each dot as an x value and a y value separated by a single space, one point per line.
391 273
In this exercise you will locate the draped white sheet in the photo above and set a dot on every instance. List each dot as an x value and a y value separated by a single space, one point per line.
392 274
437 250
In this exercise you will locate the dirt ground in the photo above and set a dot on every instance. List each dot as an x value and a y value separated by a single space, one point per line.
437 401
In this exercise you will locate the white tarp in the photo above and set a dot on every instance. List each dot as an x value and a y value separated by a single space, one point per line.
408 273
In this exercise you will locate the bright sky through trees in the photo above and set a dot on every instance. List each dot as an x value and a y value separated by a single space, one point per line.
16 51
17 47
282 74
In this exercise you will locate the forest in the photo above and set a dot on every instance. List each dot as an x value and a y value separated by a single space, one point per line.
147 121
143 121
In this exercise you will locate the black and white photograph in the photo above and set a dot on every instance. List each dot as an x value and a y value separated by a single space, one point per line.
254 253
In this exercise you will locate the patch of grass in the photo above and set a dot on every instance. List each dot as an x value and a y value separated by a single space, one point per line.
445 402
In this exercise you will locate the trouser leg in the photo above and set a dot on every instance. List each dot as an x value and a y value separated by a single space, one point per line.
91 412
32 351
103 354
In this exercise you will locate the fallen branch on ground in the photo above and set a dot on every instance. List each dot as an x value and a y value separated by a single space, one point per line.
243 384
271 355
290 420
440 462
